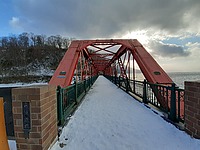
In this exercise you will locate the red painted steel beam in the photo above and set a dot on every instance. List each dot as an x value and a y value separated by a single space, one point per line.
102 49
119 53
101 55
149 67
65 71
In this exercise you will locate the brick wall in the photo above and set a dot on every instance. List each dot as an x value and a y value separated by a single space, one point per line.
43 116
192 109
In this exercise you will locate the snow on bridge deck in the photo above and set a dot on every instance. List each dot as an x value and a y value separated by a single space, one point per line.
110 119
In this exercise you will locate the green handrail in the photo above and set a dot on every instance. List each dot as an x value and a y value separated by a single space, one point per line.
69 98
148 92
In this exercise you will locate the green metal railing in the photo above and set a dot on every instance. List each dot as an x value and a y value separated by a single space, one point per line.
69 98
172 98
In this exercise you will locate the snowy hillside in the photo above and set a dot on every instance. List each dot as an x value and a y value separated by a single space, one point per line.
26 55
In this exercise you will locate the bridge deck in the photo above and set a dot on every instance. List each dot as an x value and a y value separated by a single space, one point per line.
110 119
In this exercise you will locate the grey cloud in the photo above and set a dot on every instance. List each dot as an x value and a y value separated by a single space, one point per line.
168 50
103 18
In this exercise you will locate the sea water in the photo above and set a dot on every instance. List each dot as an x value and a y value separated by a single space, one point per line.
178 77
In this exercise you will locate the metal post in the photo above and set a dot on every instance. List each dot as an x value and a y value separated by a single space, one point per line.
145 92
127 83
90 81
85 85
179 109
75 92
172 115
60 105
115 79
3 136
119 82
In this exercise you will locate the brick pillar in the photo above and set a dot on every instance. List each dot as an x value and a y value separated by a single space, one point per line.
192 108
43 116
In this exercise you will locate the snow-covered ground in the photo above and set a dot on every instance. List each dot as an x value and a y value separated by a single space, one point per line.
20 84
110 119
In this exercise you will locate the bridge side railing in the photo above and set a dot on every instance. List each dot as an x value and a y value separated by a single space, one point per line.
148 93
69 98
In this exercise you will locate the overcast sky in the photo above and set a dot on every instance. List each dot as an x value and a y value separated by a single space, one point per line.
168 29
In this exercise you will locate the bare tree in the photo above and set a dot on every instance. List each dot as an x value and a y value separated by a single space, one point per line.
20 54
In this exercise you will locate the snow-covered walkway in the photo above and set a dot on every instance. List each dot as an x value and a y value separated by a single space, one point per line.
110 119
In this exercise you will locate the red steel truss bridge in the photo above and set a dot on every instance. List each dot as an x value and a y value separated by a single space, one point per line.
115 59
